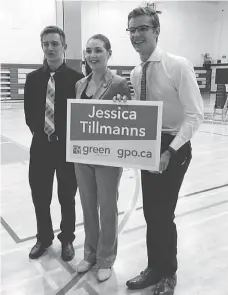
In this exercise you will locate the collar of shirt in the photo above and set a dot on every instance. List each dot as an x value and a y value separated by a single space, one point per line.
60 69
156 55
106 78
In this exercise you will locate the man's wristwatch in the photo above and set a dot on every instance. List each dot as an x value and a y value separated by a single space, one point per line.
171 150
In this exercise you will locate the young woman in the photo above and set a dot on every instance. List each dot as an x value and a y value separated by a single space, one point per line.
98 185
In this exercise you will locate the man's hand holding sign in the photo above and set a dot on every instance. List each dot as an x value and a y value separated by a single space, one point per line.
165 157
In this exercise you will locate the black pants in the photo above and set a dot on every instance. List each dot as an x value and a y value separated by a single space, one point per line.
46 158
160 194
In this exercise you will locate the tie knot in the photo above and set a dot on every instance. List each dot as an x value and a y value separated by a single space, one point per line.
52 77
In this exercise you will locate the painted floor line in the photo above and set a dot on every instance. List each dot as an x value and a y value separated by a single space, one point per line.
17 239
127 246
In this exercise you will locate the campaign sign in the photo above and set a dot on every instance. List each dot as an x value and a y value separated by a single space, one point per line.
114 134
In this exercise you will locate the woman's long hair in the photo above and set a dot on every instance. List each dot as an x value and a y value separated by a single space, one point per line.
88 69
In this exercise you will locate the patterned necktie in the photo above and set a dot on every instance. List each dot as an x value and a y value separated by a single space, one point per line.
143 81
49 126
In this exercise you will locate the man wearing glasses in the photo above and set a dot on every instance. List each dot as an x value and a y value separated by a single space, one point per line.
171 79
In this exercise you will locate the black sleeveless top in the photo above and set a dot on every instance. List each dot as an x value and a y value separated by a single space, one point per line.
84 95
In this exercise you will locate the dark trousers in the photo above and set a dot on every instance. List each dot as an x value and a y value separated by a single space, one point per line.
46 158
160 194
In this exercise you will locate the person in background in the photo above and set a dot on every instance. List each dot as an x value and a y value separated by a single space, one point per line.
163 77
98 185
45 102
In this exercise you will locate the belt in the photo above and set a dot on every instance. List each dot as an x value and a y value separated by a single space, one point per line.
53 137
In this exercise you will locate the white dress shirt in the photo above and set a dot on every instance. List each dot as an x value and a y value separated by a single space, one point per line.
172 79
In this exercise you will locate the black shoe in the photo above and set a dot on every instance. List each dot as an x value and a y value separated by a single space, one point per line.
147 278
37 250
166 286
67 251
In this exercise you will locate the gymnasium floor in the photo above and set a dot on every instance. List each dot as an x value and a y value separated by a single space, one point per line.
201 217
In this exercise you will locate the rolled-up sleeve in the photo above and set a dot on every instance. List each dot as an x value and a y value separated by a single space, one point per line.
191 101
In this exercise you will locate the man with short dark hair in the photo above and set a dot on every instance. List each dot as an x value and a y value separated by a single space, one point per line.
45 103
163 77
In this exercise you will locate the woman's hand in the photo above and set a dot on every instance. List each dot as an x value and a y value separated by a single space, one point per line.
120 98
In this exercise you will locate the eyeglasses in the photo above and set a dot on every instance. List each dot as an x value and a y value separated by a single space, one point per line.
140 29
